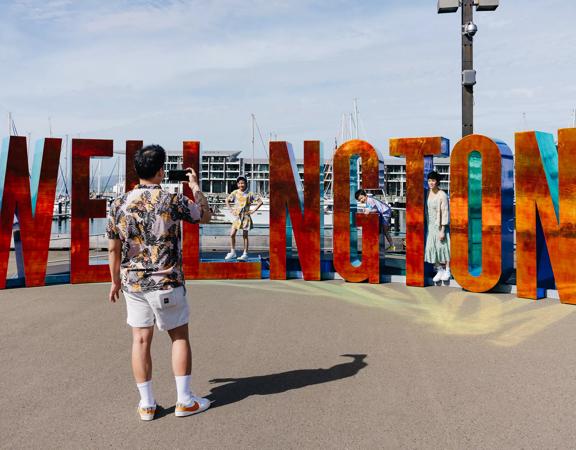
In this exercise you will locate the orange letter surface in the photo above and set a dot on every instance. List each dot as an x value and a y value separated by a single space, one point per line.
496 210
414 150
546 213
285 198
193 268
346 263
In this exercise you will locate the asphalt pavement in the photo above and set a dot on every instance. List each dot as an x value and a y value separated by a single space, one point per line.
294 364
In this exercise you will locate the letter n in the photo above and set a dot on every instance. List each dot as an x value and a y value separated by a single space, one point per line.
546 214
305 217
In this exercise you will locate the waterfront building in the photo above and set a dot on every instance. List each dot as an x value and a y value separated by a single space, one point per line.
395 177
220 169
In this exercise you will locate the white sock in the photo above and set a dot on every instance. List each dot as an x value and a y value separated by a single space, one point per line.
146 394
183 389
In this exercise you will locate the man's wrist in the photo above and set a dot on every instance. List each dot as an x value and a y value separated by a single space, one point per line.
198 195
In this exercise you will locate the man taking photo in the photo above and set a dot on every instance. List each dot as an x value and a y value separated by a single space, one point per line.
146 264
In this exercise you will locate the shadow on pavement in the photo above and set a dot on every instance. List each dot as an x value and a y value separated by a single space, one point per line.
163 412
238 389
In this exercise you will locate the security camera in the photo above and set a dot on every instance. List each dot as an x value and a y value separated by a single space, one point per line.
470 29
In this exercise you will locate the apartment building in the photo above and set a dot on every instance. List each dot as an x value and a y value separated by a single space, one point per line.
395 177
220 169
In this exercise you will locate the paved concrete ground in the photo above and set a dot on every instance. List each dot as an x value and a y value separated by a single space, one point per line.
295 365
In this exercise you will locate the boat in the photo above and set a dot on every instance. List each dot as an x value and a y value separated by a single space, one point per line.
262 216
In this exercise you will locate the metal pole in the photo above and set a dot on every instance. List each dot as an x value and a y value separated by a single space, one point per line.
99 172
467 64
356 117
29 152
350 120
66 169
252 181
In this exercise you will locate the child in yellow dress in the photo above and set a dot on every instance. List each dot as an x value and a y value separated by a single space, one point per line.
241 200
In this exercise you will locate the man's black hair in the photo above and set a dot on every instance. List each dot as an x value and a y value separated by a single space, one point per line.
434 176
148 161
241 178
359 192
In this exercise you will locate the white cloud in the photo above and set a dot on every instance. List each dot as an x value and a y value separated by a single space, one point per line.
165 70
42 10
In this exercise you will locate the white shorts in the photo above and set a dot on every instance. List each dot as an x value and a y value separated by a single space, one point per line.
167 308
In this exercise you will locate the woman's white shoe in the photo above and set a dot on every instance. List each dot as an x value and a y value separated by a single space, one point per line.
439 276
230 255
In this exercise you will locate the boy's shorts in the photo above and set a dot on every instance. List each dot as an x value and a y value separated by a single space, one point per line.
167 308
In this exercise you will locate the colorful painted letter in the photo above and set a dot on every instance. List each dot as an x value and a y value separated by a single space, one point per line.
84 209
546 214
131 176
193 268
481 212
415 150
34 212
302 205
346 260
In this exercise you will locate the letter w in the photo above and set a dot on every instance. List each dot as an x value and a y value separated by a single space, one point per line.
34 213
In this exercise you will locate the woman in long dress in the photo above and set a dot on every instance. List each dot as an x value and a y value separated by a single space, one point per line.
437 219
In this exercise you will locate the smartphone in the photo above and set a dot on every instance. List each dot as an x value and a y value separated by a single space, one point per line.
178 175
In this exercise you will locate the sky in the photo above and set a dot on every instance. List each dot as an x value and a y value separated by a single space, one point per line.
174 70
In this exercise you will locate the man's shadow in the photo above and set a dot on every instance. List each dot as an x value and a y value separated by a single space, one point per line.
238 389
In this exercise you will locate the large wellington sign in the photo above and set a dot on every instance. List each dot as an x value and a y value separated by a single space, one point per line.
483 176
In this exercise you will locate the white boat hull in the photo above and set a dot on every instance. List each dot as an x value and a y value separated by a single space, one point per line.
262 216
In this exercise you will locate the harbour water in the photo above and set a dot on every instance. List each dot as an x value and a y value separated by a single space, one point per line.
214 237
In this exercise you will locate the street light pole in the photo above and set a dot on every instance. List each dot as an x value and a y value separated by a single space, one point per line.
468 31
467 64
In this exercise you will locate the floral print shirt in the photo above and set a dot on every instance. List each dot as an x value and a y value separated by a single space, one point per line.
241 202
147 221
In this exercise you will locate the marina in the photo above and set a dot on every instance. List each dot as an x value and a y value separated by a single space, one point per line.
400 274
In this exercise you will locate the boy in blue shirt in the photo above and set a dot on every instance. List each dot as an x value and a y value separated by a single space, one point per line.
384 210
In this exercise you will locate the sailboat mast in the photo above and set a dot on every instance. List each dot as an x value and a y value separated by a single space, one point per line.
98 192
356 118
253 182
351 124
66 162
120 175
29 150
524 121
12 131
